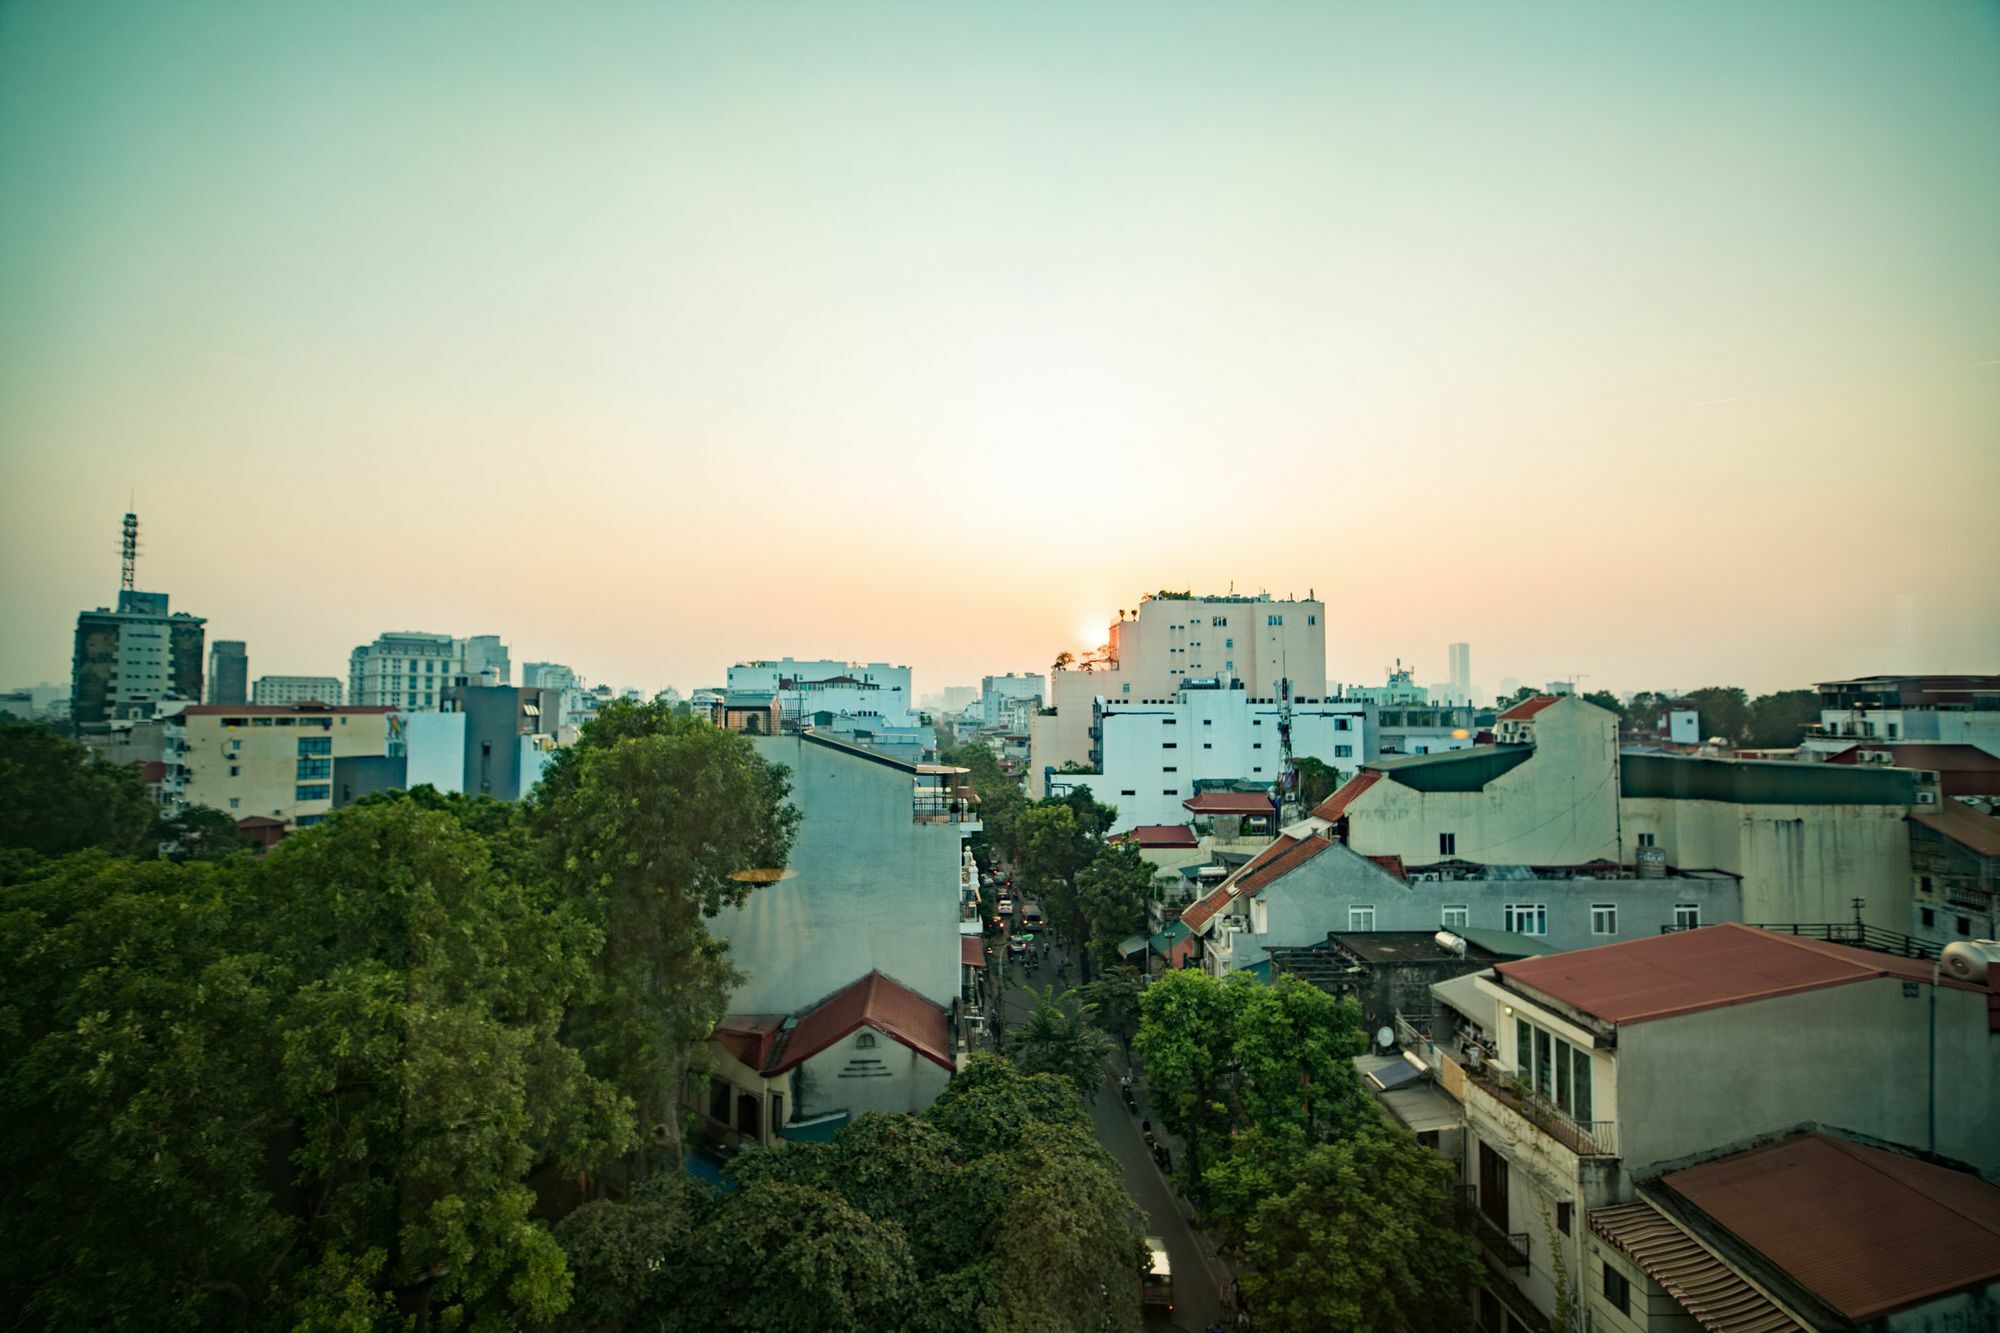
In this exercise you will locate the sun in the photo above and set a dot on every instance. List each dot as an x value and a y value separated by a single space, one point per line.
1094 630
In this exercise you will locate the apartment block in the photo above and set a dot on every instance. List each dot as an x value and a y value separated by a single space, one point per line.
276 691
274 762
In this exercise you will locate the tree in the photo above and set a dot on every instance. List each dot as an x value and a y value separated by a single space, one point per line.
1356 1234
1294 1046
629 1258
1058 1039
1779 721
1112 893
201 833
643 823
1113 1001
1317 780
1185 1033
1000 797
58 797
781 1256
1067 1224
1724 711
1608 701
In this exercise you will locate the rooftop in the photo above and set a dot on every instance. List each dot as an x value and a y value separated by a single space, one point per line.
1865 1230
877 1000
1159 836
1229 803
1963 825
309 707
1716 1295
1689 971
1527 708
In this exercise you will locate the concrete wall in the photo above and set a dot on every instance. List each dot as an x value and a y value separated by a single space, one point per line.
1649 1309
435 744
1798 862
1171 640
848 1076
1064 737
253 769
1852 1057
1558 808
871 888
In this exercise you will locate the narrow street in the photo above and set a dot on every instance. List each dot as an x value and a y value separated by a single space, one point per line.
1197 1274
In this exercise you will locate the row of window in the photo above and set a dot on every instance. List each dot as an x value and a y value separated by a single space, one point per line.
1525 918
313 745
317 792
323 723
1558 1071
314 768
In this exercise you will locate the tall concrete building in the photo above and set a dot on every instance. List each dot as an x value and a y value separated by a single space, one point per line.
128 660
411 671
228 672
996 691
296 690
1259 644
808 688
1460 660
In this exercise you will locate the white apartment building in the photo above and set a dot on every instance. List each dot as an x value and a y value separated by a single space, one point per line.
1260 641
277 691
857 689
1150 752
273 762
411 670
996 693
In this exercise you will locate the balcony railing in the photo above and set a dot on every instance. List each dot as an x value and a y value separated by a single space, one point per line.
1585 1138
1852 933
1509 1248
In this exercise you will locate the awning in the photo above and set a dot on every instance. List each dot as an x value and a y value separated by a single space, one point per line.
1463 995
821 1130
1164 942
1130 945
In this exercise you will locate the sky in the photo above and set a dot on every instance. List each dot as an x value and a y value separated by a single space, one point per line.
1655 344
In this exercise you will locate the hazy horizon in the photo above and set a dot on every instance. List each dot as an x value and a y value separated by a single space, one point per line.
1659 344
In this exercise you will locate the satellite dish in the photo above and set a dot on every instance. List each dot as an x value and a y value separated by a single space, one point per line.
1386 1037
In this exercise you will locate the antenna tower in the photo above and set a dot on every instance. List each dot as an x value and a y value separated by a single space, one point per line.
127 578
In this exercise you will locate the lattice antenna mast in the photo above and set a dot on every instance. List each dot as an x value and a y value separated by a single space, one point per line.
128 576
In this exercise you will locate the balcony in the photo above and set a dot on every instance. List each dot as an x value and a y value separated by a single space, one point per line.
1585 1138
1508 1248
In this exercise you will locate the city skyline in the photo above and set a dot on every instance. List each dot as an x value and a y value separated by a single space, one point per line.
1661 348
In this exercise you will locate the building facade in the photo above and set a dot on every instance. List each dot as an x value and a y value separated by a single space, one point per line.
129 660
274 762
1960 710
228 672
997 692
410 671
280 690
859 689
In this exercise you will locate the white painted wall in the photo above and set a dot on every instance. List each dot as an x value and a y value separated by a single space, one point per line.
889 698
434 744
887 1077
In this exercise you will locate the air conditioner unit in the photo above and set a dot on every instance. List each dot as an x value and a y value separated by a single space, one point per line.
1926 798
1428 877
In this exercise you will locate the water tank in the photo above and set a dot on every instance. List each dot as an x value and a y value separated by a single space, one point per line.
1976 961
1651 861
1450 942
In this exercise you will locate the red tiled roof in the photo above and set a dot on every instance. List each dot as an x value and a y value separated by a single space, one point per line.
748 1037
1161 835
1273 863
1867 1231
1335 806
1229 803
877 1001
151 770
1965 826
1392 864
971 953
1691 970
1528 707
249 822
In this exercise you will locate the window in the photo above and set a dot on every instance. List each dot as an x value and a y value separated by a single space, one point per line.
236 745
718 1100
318 792
1964 925
1256 745
1170 791
1929 917
1447 844
1360 918
1562 1218
1229 643
1617 1291
1528 918
1129 791
864 1041
1312 620
1604 918
1206 746
1343 724
1218 622
236 770
1274 620
1343 752
1558 1071
315 768
1923 883
1169 721
1645 840
235 802
307 821
1687 916
1456 916
1170 745
1169 768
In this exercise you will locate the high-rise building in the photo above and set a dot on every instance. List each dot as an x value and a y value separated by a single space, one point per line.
806 689
228 672
127 661
1460 659
996 691
411 670
276 690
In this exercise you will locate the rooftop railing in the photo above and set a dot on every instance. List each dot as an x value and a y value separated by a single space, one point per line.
1852 933
1510 1248
1585 1138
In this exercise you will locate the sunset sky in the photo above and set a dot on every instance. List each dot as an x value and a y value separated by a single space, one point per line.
1657 342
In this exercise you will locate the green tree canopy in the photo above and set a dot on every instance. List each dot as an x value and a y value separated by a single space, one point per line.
58 797
1317 780
1058 1039
1724 711
1779 721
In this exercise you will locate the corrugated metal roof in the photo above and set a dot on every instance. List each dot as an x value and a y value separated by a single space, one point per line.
1690 970
1160 835
1527 708
1963 825
1867 1231
971 951
1229 803
1716 1295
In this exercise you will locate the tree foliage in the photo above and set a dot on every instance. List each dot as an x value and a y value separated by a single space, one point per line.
1317 780
1724 711
1779 721
58 797
1059 1039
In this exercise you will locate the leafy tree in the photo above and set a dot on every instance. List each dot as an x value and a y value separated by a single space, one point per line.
201 833
1065 1237
1185 1033
990 1104
1357 1234
1112 893
1000 797
1057 839
58 797
1058 1039
1646 710
1294 1045
1724 711
1608 701
642 824
1113 1004
1317 780
781 1256
1779 721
